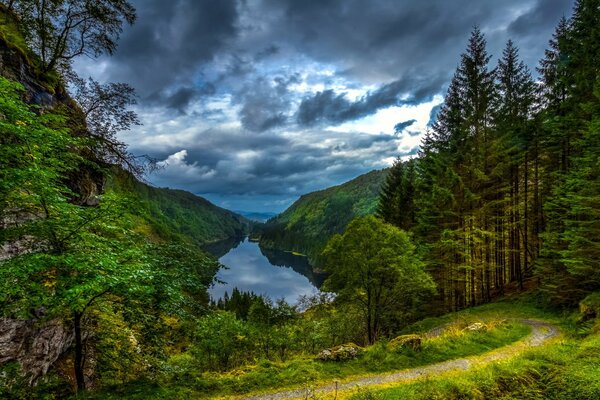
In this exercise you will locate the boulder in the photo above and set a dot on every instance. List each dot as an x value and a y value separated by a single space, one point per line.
412 342
342 352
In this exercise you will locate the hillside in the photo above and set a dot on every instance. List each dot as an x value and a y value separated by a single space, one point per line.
172 214
307 224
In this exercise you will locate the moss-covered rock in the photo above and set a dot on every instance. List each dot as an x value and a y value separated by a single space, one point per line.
343 352
412 342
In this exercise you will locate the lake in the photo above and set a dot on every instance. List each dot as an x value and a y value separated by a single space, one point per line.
272 273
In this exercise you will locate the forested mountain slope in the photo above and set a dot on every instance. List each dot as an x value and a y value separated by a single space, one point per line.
173 214
307 225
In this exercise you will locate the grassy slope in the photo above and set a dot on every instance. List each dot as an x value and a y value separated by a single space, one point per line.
304 371
567 368
170 214
307 225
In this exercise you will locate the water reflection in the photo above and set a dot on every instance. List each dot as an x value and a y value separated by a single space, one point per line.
272 273
297 263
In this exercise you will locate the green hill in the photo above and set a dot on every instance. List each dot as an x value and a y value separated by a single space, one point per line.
307 225
171 214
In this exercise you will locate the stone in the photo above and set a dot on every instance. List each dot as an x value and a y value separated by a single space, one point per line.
33 344
342 352
412 342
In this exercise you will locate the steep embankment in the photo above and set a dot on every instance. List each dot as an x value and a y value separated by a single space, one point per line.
307 225
179 215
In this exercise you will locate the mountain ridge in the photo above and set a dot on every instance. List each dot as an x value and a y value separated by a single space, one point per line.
310 221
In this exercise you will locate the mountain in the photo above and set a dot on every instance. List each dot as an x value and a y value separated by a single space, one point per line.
172 214
257 216
307 225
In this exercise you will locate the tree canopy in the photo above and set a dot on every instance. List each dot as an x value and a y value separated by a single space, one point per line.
60 30
374 265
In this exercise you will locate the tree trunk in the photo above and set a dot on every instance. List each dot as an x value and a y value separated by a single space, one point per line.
78 364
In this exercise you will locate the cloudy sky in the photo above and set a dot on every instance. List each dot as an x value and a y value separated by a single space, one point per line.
252 103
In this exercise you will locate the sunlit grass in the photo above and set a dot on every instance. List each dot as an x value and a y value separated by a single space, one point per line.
304 371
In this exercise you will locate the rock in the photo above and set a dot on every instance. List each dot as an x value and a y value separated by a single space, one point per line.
342 352
33 344
476 327
412 342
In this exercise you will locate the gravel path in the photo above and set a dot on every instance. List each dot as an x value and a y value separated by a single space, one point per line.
540 332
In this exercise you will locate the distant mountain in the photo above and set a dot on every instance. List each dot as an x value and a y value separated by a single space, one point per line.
257 216
172 214
307 225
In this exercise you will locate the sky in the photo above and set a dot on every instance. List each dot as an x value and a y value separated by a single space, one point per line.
252 103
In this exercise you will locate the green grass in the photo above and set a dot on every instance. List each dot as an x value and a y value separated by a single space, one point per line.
566 368
569 369
267 375
522 307
10 33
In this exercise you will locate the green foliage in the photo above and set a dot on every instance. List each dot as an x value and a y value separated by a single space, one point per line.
183 373
310 222
222 341
90 266
396 201
374 265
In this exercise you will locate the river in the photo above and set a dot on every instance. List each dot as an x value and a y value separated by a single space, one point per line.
272 273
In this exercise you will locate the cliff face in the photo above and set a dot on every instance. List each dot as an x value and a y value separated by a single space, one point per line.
42 92
33 344
16 66
37 343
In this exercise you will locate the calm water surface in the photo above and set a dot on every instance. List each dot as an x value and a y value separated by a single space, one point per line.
275 274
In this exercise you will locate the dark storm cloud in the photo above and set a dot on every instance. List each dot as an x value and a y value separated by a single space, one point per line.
542 16
170 41
401 126
329 107
267 80
180 98
266 103
224 162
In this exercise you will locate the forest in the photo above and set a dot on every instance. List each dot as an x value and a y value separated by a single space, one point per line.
485 246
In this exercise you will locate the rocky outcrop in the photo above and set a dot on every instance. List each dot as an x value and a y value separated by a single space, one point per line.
35 345
86 183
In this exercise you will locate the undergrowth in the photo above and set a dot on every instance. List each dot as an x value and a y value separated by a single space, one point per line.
305 371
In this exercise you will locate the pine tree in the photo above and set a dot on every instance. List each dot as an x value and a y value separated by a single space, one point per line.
569 268
387 208
516 135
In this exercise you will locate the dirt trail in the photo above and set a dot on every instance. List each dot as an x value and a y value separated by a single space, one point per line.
540 332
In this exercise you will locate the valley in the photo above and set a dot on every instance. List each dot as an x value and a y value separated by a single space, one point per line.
418 200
